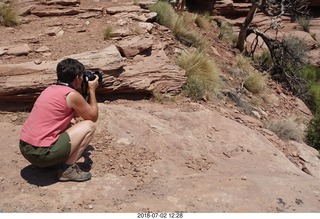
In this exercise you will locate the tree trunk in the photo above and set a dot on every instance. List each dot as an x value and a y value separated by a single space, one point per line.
243 31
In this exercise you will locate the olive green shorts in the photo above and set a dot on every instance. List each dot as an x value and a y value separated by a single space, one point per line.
47 156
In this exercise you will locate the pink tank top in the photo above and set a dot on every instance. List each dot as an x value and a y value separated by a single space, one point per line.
50 116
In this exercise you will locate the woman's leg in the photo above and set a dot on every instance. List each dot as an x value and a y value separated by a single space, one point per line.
80 135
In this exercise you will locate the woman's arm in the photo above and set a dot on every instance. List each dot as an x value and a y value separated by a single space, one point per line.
88 111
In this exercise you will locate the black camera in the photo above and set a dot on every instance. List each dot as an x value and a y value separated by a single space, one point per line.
91 76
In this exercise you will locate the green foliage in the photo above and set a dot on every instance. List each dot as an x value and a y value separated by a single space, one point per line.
202 73
108 32
313 100
8 16
313 132
311 73
255 82
263 60
289 58
195 88
286 129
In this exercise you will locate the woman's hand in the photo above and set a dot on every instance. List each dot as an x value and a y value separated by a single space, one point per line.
92 85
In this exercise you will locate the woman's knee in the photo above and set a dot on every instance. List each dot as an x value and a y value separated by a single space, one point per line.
91 126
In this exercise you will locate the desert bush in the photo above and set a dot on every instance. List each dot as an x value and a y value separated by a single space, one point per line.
311 73
313 100
313 132
255 82
178 24
263 61
227 34
244 63
195 87
8 16
289 59
304 22
166 15
202 73
202 21
108 32
286 129
188 37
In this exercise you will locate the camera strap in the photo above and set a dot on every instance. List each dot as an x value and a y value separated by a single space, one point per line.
64 84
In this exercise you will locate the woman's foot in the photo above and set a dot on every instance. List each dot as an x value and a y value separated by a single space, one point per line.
73 173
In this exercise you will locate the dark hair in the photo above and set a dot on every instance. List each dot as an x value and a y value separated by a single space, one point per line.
68 69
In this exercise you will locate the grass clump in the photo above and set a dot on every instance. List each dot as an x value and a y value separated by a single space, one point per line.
244 63
179 25
264 60
202 21
286 129
136 2
227 34
8 16
255 82
186 36
138 29
202 75
108 32
166 15
304 22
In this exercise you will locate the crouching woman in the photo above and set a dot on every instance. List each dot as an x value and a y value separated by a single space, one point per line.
46 138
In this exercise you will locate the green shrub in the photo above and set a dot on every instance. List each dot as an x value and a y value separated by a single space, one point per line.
286 129
8 16
311 73
263 61
202 73
195 88
289 60
313 132
314 98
